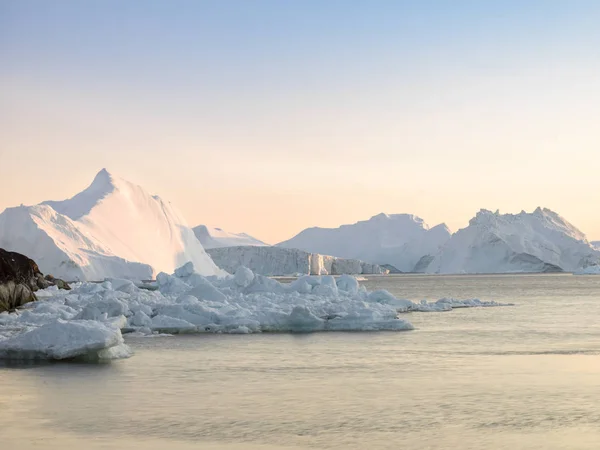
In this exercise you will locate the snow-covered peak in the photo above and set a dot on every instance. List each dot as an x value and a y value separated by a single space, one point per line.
217 237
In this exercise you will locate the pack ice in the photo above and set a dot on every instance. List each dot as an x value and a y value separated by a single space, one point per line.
87 321
112 228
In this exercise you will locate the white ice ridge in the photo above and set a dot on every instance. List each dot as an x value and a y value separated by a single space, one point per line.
87 321
217 237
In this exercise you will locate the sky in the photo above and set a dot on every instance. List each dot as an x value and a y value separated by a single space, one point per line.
272 116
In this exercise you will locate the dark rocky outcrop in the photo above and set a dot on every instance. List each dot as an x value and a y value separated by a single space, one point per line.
20 277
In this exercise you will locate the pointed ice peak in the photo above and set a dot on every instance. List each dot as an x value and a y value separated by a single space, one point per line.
81 204
380 216
103 179
441 228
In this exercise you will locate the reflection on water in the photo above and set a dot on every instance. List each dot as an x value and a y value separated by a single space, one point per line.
524 377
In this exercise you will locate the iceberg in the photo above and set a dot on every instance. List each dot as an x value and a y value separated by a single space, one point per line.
217 237
113 228
590 270
87 321
398 240
541 241
65 340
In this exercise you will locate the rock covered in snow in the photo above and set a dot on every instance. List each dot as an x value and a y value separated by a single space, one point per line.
400 240
86 321
541 241
274 261
111 229
217 238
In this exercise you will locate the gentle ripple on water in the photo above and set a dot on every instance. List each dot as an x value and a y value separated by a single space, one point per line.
524 377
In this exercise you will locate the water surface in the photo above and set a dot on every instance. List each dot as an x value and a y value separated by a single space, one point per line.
522 377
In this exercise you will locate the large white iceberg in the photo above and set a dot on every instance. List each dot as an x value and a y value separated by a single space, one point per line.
400 240
112 228
541 241
87 321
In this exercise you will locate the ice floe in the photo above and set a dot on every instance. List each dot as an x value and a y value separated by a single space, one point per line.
87 321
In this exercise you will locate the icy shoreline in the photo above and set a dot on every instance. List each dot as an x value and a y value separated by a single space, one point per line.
88 321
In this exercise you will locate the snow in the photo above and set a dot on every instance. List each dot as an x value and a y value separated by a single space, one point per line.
113 228
541 241
87 321
217 238
397 239
277 261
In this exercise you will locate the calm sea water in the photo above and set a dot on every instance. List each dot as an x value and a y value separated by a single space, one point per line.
522 377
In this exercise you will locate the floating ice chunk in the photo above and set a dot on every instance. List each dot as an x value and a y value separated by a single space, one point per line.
101 309
302 320
243 277
301 286
123 285
62 340
168 284
166 324
347 283
240 330
207 292
185 271
140 319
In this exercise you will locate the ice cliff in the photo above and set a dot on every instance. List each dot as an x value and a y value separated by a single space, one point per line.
287 261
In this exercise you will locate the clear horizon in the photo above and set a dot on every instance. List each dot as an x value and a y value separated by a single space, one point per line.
269 117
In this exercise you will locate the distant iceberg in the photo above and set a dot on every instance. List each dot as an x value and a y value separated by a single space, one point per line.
400 240
541 241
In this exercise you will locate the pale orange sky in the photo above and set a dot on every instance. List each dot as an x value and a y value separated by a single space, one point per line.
293 129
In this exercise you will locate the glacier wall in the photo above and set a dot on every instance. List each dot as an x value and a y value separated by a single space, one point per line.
277 261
